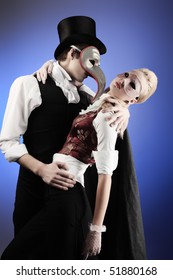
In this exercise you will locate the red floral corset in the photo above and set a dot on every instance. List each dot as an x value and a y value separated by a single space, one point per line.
82 138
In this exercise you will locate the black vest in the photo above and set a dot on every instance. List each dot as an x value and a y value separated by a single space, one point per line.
49 124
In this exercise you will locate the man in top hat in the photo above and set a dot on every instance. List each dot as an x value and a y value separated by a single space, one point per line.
43 115
78 30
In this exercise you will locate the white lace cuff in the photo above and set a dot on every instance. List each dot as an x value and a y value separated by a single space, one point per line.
97 228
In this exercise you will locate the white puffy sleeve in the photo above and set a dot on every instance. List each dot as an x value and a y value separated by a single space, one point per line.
106 157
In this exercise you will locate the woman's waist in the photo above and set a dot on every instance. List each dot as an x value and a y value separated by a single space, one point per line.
75 166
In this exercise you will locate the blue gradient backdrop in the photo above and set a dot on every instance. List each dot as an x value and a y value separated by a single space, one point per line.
137 34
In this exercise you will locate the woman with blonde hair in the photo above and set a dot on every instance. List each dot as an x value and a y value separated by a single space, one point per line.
92 140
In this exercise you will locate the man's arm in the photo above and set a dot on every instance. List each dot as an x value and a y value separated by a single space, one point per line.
54 174
23 98
120 116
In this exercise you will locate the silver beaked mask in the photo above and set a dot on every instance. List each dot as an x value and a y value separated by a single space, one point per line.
90 62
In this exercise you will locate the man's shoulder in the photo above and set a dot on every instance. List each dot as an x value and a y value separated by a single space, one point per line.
24 85
26 79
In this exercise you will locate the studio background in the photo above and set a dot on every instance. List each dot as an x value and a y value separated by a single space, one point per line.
137 34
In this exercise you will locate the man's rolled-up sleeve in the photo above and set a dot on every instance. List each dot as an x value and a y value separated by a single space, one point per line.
24 96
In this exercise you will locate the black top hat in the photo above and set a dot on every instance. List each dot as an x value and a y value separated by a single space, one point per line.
76 30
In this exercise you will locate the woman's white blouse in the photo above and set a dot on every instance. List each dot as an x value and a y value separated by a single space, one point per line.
106 157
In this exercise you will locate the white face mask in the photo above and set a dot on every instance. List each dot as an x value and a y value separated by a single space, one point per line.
90 62
132 85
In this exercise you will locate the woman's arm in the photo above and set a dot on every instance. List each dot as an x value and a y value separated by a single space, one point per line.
44 70
102 198
106 158
92 244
